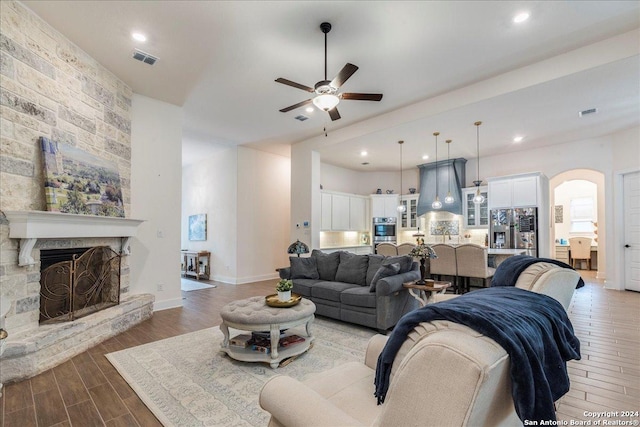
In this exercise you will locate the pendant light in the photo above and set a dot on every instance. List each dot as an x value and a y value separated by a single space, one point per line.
478 198
449 199
401 207
437 204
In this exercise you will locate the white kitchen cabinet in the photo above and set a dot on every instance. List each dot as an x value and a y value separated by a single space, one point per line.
409 218
343 212
514 191
384 205
475 215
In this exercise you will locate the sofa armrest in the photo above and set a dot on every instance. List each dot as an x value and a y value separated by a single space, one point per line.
284 272
292 403
374 348
392 284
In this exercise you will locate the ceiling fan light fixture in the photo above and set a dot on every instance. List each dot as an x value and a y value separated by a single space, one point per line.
326 101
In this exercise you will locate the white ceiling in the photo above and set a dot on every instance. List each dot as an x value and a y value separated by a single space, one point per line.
219 61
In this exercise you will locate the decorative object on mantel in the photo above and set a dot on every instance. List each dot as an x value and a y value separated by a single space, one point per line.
29 226
401 207
298 248
412 190
423 252
198 227
437 204
478 198
379 191
389 191
449 199
78 182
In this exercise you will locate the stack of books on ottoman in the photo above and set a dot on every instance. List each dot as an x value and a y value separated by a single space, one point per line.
261 341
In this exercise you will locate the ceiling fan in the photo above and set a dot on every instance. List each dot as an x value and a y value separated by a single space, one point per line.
327 96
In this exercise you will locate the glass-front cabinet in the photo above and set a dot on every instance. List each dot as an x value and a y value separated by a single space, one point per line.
475 216
409 218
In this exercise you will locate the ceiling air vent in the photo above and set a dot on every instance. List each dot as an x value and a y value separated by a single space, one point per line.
589 111
144 57
301 118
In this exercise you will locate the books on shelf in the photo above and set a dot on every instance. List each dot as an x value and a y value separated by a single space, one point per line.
261 341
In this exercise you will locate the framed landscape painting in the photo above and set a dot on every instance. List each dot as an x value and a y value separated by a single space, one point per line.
78 182
198 227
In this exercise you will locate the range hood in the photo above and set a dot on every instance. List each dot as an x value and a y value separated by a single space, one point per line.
453 170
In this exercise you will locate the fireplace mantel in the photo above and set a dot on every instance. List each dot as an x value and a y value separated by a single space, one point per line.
29 226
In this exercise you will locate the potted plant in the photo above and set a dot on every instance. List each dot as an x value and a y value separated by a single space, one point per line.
284 289
423 252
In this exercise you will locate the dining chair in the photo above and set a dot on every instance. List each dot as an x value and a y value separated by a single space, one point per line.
444 264
580 248
405 248
386 249
472 262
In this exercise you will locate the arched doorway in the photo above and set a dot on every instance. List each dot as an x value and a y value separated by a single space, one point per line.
578 185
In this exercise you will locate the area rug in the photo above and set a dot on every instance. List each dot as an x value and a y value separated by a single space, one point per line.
187 381
190 285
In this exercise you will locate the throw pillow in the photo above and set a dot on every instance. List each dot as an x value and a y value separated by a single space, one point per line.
327 264
303 268
375 261
385 270
352 268
405 262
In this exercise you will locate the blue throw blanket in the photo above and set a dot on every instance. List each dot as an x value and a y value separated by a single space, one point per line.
532 328
508 271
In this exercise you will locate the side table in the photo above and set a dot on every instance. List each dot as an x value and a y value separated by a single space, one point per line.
424 293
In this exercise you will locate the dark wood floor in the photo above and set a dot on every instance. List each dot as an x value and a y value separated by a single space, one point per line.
88 391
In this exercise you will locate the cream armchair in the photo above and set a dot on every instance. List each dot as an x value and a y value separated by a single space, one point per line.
444 374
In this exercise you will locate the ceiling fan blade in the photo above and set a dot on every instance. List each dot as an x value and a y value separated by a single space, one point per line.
294 106
333 113
294 84
362 96
344 74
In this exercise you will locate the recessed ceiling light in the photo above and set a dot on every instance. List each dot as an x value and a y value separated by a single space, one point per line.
425 157
309 109
521 17
139 37
518 139
363 153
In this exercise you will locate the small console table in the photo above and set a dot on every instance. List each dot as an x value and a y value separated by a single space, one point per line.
426 292
196 264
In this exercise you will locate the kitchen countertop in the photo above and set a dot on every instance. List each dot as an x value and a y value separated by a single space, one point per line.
496 251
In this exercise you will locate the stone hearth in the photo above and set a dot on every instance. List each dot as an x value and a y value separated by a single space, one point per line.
32 348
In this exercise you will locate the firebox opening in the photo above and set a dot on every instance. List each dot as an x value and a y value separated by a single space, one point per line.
77 282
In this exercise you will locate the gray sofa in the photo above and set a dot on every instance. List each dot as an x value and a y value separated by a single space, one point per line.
362 289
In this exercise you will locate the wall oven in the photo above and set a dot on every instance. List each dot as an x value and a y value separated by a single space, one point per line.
384 230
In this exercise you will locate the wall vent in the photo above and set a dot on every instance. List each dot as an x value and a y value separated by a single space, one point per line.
144 57
301 118
589 111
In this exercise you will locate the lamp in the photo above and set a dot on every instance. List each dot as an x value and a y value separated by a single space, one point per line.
478 198
401 207
437 204
449 199
298 248
326 101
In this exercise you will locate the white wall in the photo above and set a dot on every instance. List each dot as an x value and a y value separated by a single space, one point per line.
156 134
566 191
246 196
335 178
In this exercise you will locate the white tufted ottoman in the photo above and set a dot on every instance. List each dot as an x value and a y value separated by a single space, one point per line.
253 314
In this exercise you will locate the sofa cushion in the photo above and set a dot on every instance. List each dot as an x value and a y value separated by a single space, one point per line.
330 290
303 286
360 297
352 268
385 270
327 264
303 268
405 262
375 261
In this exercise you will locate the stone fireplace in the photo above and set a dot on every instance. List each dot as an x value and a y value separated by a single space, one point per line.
101 278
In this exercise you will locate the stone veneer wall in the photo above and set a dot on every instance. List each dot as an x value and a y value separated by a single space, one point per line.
49 87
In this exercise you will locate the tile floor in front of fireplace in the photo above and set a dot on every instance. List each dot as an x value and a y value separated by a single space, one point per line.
87 391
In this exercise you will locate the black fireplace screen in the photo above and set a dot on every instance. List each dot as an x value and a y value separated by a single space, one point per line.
83 285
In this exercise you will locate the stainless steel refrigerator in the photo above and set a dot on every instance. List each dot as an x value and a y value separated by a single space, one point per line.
514 228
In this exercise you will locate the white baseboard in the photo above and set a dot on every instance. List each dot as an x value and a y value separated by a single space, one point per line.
242 280
166 304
